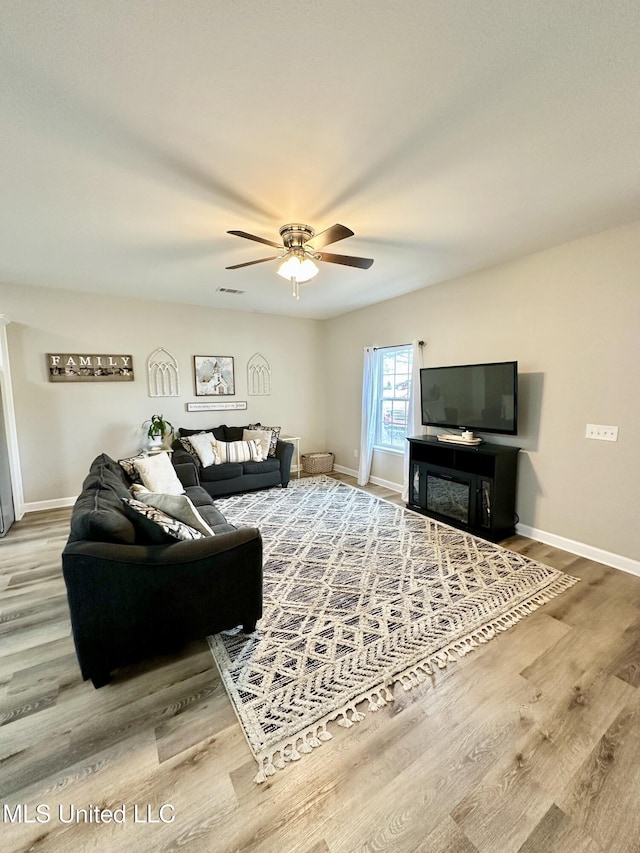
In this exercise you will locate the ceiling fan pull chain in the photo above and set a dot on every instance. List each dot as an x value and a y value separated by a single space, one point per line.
295 287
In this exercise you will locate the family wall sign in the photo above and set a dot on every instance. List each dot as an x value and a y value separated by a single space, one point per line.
77 367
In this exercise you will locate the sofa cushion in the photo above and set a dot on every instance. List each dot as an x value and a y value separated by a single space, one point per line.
218 432
104 477
98 514
233 433
199 496
105 461
154 527
158 474
216 520
226 471
261 467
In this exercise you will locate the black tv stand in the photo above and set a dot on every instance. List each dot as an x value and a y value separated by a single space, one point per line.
470 487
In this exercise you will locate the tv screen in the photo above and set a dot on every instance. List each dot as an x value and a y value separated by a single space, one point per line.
475 397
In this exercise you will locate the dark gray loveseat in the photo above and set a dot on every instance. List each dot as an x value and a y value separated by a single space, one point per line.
131 600
230 478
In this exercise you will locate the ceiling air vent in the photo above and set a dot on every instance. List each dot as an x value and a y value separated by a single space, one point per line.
230 290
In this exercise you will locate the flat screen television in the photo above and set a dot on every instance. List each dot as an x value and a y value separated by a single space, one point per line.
481 397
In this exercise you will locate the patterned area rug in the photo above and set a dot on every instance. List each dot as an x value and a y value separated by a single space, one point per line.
358 594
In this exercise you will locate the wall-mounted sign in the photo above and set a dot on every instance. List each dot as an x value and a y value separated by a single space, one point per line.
76 367
217 407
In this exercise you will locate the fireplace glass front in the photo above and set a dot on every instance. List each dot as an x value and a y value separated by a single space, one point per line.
448 497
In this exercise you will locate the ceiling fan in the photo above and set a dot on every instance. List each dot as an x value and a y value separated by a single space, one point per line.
300 249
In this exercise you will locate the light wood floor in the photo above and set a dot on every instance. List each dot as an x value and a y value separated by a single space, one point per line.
531 743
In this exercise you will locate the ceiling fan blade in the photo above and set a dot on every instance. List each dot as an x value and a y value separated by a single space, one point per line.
330 235
257 239
347 260
251 263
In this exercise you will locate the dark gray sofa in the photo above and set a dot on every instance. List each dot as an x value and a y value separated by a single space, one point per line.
131 600
230 478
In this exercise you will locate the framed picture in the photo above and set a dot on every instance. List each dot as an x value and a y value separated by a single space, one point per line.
214 375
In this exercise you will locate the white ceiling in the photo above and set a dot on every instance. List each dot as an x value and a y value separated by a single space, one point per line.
449 135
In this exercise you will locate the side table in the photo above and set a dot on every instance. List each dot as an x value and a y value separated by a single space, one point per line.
296 440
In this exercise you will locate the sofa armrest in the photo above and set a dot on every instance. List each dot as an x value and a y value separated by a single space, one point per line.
131 602
284 452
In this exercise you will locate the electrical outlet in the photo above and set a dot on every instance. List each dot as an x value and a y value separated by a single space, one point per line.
602 432
356 452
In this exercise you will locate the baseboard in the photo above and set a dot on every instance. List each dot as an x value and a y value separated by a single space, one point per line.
387 484
598 555
39 506
616 561
377 481
341 469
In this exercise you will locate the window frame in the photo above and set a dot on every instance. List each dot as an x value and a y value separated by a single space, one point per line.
382 398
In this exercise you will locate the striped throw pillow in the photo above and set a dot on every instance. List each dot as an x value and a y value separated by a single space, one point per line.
238 451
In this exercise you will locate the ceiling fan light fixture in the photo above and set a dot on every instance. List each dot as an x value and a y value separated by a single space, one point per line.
302 270
297 263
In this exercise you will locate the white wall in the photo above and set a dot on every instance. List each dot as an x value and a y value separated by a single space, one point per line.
63 426
571 317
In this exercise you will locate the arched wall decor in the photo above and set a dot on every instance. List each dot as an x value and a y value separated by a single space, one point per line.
162 374
258 376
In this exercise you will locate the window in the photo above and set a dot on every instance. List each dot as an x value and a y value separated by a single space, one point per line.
392 398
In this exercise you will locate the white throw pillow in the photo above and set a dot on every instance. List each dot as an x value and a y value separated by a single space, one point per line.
158 474
179 507
262 436
203 444
238 451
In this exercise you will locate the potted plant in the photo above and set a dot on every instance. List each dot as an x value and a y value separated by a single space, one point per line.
158 428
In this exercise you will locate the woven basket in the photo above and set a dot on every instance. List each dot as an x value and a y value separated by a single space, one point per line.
317 463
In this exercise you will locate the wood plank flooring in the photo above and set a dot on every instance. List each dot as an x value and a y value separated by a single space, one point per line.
531 743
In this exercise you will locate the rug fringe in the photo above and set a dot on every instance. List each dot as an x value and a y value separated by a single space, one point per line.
416 674
314 736
304 742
